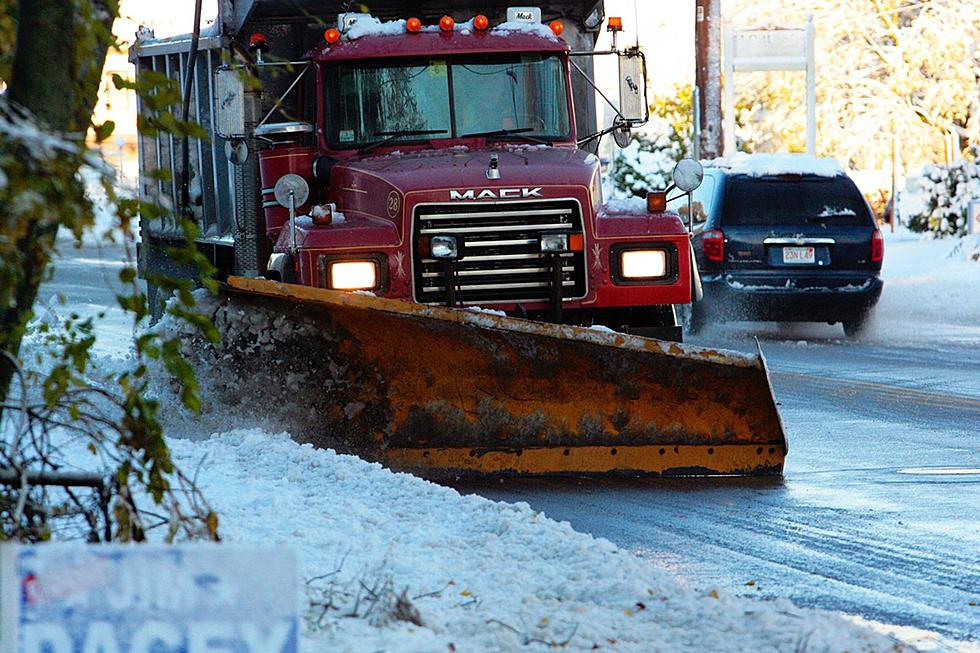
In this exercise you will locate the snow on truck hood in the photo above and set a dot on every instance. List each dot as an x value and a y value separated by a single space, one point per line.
462 167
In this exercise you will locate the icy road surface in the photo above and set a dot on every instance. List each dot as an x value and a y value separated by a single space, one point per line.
879 510
878 513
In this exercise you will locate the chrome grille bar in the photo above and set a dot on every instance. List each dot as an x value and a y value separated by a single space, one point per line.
501 259
496 229
497 214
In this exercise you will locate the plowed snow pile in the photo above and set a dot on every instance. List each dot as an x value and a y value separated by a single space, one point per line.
476 574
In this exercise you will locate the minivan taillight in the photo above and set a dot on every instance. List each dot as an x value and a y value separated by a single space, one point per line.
714 245
877 246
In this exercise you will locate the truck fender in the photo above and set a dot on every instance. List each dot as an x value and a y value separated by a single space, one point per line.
280 268
697 290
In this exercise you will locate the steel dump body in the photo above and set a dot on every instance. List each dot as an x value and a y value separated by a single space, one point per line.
408 376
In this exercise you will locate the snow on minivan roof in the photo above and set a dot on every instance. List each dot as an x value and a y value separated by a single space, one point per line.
764 165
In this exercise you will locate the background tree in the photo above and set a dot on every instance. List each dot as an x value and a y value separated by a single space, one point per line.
55 72
884 67
54 77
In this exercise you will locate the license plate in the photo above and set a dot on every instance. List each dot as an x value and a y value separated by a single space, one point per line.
799 255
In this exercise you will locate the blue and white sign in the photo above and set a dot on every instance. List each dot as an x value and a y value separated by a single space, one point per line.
75 598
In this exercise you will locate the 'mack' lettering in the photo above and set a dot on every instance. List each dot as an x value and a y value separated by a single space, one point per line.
489 193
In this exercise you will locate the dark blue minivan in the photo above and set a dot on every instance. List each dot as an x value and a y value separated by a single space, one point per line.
785 246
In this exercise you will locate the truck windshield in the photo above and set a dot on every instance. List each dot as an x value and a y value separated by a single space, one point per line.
448 98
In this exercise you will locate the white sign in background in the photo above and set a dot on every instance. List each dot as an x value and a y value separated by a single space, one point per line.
75 598
759 45
770 49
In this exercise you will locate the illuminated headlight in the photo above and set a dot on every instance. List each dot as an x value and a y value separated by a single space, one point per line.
353 275
554 242
444 247
644 264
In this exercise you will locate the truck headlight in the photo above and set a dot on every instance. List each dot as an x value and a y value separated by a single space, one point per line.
444 247
554 242
643 264
353 275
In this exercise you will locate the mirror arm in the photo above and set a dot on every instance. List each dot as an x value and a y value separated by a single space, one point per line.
598 134
278 103
597 90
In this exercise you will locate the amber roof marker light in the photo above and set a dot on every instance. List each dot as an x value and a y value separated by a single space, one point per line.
557 27
258 44
413 25
446 23
332 35
481 22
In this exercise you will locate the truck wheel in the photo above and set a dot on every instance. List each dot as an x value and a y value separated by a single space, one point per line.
156 301
694 318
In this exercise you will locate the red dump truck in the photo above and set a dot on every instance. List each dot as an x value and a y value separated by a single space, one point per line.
442 155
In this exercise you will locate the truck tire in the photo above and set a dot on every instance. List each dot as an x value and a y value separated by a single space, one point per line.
694 318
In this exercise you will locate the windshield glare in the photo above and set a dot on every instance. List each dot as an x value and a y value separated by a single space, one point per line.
369 103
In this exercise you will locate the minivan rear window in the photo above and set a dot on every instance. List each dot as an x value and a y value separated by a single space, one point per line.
793 200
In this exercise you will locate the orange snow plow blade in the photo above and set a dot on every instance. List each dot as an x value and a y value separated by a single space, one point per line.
453 392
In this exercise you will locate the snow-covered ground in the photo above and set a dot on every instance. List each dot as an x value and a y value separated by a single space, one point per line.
486 576
932 289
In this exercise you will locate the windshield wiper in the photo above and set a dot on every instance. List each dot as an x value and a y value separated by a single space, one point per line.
399 134
521 132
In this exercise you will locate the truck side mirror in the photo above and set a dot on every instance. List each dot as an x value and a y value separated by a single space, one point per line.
633 105
622 134
229 103
688 175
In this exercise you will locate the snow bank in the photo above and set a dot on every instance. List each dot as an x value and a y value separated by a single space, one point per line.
481 575
761 165
932 289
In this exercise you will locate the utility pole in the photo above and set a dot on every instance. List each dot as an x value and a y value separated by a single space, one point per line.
707 40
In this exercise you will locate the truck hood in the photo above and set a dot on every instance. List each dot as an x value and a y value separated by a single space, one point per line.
462 168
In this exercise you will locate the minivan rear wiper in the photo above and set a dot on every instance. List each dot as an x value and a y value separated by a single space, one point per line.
399 134
521 133
825 216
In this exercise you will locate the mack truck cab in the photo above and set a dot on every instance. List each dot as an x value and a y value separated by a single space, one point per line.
440 162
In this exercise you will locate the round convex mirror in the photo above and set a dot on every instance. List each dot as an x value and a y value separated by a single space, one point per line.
236 151
622 134
295 184
688 174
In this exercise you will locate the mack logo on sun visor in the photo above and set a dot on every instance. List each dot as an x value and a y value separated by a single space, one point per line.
491 194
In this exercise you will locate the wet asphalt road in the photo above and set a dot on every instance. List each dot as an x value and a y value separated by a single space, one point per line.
878 513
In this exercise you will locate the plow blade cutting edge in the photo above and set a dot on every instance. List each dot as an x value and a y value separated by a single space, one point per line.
453 392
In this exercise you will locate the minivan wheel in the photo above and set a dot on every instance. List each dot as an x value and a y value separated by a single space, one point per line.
855 326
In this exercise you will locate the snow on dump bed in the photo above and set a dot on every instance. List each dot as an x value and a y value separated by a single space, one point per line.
426 569
762 165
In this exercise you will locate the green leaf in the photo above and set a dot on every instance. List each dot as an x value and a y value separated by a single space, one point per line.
104 130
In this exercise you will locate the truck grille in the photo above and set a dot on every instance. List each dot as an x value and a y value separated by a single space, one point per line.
502 260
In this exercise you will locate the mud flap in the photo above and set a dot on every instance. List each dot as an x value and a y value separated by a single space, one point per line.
454 392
